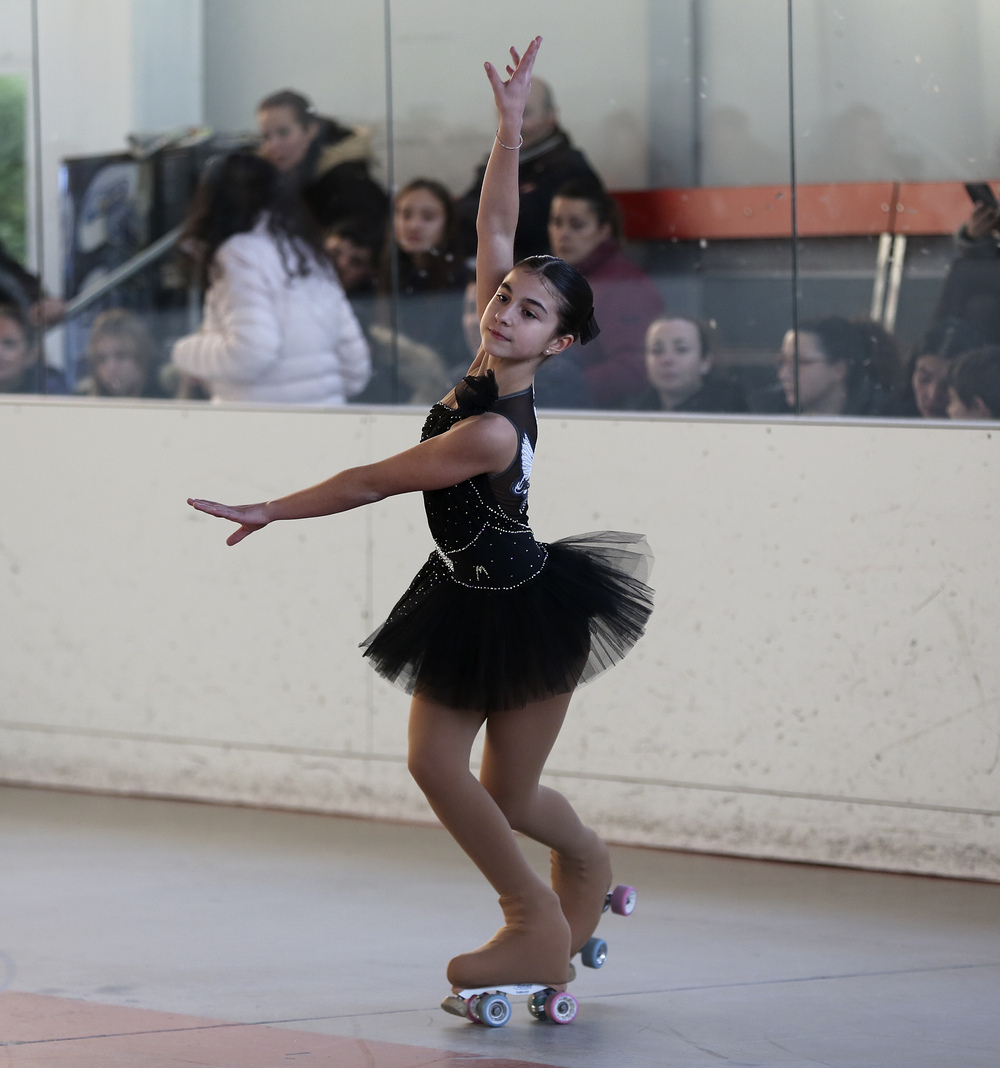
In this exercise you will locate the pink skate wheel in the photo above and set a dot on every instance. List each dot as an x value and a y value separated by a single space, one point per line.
623 900
561 1008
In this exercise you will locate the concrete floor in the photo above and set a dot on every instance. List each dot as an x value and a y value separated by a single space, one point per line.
150 934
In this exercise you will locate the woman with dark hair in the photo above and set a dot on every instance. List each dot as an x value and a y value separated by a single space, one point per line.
923 389
277 325
326 162
974 384
420 284
497 629
585 231
844 367
680 372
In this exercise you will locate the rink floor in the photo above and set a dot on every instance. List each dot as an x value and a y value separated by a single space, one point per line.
148 934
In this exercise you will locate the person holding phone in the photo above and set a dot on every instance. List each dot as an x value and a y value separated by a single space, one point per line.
971 291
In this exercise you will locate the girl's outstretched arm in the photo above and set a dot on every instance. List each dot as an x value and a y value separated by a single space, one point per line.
499 202
478 445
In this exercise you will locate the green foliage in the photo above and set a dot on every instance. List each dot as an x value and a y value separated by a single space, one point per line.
13 210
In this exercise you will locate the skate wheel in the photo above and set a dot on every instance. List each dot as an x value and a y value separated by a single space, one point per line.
594 953
536 1004
493 1010
470 1008
623 900
561 1008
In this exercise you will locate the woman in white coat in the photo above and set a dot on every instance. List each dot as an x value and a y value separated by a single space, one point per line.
277 327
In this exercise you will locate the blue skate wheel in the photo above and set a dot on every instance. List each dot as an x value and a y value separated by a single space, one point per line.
493 1010
561 1008
594 953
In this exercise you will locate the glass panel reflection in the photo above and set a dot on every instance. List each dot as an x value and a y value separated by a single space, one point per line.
895 113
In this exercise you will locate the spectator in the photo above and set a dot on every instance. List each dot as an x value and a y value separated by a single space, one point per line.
22 368
122 358
277 325
328 163
842 370
584 229
425 307
548 160
923 391
971 291
355 250
680 372
974 384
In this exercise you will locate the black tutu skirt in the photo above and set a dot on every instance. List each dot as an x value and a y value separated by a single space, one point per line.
495 649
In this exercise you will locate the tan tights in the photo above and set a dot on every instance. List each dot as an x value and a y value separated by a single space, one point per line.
482 816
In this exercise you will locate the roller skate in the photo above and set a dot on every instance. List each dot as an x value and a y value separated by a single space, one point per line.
528 956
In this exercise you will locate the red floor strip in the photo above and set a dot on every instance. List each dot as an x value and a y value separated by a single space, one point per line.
38 1031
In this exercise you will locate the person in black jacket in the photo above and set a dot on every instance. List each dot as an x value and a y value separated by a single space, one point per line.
325 161
548 160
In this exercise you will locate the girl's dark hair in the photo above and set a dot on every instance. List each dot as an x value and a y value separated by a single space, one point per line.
302 106
330 131
869 351
234 193
575 297
705 328
601 202
447 201
16 314
976 373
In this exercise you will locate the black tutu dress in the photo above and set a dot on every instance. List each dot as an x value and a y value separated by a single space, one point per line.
495 619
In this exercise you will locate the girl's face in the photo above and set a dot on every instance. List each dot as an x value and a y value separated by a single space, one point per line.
674 362
284 140
930 386
420 221
574 230
116 366
522 319
14 355
821 384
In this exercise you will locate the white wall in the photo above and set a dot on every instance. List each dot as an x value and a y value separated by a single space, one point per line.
819 682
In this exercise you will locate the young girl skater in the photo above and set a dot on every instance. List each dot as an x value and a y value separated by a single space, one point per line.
496 628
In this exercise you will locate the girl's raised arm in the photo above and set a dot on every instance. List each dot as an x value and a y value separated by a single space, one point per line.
499 202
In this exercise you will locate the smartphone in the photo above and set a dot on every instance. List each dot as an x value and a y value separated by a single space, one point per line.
981 193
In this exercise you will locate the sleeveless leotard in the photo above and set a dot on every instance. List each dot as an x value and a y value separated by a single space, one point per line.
494 618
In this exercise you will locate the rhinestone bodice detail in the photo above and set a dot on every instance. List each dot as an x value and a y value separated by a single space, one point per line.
478 540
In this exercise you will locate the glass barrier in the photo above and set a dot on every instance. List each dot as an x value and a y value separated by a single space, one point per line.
775 236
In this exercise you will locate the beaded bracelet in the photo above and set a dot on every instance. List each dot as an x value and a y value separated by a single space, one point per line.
511 148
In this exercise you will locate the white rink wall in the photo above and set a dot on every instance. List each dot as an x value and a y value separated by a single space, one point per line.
819 681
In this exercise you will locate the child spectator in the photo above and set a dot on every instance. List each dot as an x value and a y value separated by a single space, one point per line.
21 368
277 325
122 358
974 385
421 280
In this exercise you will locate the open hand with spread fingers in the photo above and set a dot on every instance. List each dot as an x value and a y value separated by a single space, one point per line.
511 95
